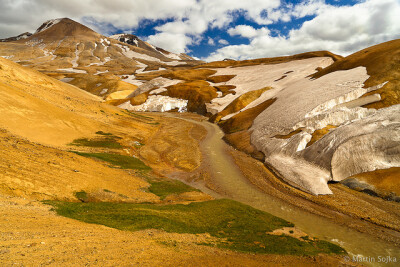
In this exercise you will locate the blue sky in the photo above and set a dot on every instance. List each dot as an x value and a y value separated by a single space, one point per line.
217 29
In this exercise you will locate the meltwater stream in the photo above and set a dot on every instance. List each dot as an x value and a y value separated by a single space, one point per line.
236 187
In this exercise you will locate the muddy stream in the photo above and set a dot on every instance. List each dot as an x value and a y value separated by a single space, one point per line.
227 176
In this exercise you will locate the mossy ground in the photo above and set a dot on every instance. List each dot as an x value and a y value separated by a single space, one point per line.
105 140
165 188
237 226
122 161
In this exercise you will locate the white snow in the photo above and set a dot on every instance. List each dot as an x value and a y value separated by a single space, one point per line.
251 78
132 54
105 90
116 36
73 70
367 144
102 41
49 24
33 42
175 63
158 91
364 140
157 103
75 60
154 83
100 72
170 55
312 105
8 57
131 79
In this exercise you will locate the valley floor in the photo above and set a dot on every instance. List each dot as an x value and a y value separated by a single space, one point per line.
32 235
373 216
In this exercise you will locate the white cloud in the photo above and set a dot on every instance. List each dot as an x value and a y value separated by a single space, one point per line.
339 29
342 30
176 42
247 31
223 42
210 41
191 18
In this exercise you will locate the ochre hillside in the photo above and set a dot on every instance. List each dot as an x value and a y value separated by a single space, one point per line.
42 119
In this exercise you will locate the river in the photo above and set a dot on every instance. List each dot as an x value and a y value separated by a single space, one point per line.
235 186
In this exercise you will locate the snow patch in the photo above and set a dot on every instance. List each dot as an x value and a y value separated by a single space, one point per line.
158 91
312 105
8 57
75 60
34 42
48 24
131 79
101 72
73 70
250 78
126 51
157 103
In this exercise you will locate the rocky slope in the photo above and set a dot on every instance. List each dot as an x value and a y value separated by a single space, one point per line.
73 53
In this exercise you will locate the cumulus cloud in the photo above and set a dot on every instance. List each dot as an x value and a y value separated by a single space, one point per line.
210 41
223 42
191 18
342 30
248 31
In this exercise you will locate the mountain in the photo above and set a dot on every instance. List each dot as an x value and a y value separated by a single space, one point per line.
301 114
63 145
73 53
313 118
16 38
134 40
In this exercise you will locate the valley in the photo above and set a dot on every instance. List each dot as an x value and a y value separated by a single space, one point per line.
115 151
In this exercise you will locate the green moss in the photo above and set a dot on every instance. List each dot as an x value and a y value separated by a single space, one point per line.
169 187
82 196
237 226
122 161
107 143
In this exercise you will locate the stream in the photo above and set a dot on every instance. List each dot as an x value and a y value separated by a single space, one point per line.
227 176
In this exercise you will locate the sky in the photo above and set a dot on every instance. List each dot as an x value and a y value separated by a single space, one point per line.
218 29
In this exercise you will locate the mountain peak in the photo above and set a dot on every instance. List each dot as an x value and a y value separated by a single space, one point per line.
62 27
47 24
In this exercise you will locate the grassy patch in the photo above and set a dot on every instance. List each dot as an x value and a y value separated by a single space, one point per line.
82 196
106 143
169 187
239 227
122 161
107 140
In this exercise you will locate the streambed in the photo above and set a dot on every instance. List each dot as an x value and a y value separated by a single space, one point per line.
231 184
